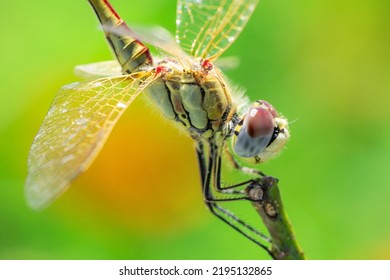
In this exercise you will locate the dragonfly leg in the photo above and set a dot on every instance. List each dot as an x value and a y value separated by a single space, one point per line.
207 169
209 176
248 231
235 191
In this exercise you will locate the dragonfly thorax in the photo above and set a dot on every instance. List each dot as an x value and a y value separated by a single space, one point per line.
198 99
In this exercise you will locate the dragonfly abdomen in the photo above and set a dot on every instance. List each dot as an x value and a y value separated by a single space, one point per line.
130 52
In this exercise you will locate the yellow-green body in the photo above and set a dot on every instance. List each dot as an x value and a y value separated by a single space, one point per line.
199 100
186 87
194 96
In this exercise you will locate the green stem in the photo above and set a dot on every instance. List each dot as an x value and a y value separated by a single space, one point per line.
268 203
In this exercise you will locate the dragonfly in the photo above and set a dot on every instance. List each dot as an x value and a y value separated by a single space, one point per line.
186 85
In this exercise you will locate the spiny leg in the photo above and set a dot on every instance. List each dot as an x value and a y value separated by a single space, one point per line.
231 189
213 165
235 191
207 170
240 226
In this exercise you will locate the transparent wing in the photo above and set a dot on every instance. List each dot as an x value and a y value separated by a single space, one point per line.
206 28
160 38
228 62
77 125
98 69
155 35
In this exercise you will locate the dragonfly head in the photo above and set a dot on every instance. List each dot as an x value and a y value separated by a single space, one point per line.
261 134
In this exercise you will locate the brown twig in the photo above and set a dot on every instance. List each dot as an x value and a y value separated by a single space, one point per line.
268 203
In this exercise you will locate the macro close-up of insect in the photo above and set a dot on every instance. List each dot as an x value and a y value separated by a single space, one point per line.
194 130
186 86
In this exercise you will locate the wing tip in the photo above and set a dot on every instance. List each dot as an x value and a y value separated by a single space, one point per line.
36 198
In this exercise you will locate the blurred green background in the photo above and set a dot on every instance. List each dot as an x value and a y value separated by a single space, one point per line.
324 64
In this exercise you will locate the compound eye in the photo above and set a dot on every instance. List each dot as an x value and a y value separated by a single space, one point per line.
270 108
255 133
